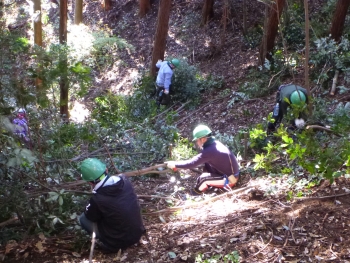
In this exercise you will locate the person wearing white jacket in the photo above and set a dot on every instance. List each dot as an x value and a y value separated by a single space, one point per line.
163 81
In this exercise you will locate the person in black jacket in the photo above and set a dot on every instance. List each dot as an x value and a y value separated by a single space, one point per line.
113 212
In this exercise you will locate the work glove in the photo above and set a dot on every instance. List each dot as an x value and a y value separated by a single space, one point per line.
171 165
159 60
300 123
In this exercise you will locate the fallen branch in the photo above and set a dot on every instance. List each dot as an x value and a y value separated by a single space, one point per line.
93 240
322 128
92 155
150 170
321 197
273 77
212 101
9 222
175 208
334 84
84 155
268 243
139 196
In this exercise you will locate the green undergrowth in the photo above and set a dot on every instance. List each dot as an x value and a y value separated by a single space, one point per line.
307 155
123 131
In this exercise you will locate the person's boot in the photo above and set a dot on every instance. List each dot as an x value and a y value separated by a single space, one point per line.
195 192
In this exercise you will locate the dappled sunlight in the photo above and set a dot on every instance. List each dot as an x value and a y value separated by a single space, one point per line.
214 209
80 39
79 112
123 86
177 40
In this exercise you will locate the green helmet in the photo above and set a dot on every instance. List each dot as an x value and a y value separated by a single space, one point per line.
175 62
297 96
92 169
200 131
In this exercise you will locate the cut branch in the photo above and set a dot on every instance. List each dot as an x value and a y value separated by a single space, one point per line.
189 115
334 84
322 197
9 222
318 127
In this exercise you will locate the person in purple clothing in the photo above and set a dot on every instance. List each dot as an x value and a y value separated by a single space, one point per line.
221 168
21 125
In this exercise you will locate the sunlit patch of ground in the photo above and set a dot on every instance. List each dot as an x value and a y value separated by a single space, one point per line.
79 112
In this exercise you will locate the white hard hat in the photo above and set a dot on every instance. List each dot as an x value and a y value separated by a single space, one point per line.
21 110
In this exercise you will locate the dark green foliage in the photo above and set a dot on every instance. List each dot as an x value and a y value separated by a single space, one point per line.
104 51
292 23
253 37
50 67
317 152
110 110
257 84
20 45
189 83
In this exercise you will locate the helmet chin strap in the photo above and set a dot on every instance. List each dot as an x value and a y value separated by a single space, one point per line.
104 177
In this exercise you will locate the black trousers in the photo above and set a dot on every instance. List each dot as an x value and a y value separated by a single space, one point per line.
161 97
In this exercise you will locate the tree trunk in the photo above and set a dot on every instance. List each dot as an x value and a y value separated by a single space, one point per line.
307 48
339 19
63 62
207 11
264 39
161 34
145 6
78 12
270 32
107 5
225 17
244 18
38 40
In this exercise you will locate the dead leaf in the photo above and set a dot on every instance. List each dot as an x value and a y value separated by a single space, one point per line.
41 236
234 239
260 255
11 244
40 247
76 254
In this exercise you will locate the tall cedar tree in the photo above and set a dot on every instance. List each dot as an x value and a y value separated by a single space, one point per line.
63 62
78 12
38 40
107 5
161 34
145 6
339 19
207 11
270 32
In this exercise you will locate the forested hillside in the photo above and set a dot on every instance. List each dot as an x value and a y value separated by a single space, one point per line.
77 81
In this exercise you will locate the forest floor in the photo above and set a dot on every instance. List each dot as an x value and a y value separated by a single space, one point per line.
256 219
